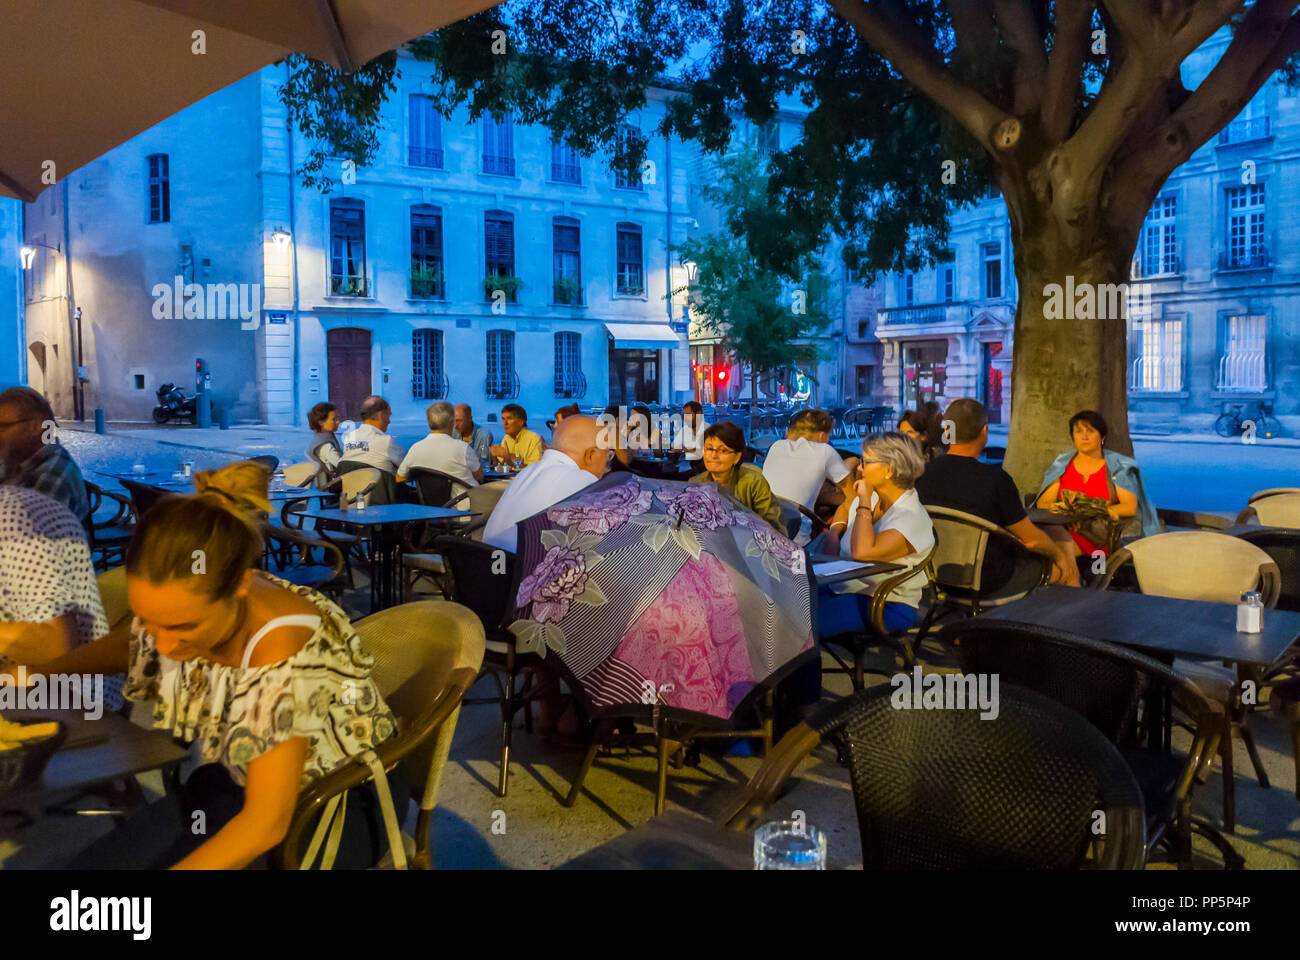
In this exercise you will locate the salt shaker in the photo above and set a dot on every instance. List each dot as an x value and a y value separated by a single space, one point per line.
361 501
1250 613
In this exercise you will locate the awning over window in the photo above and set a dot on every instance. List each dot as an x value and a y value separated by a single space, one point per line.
643 336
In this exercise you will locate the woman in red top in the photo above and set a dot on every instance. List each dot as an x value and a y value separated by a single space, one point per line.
1087 474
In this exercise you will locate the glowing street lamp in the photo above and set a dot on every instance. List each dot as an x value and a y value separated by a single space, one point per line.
281 237
692 270
28 254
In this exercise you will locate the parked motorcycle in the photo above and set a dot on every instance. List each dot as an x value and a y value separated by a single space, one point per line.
174 404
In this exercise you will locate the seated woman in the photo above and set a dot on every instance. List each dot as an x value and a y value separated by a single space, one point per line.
926 433
724 445
270 680
324 447
885 521
1093 471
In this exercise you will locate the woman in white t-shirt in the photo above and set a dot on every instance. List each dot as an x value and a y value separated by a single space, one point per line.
885 521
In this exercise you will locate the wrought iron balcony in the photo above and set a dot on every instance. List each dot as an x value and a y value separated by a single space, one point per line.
1239 131
425 157
566 173
503 166
1257 260
925 313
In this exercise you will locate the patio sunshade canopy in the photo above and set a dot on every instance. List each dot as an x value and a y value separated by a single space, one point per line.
79 79
643 336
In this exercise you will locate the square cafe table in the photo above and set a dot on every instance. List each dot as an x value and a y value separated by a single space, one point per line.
385 522
95 752
857 570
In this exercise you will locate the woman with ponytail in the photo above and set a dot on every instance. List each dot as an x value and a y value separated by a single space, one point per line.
267 679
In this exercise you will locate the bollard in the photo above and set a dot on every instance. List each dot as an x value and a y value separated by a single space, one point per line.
223 416
99 421
203 410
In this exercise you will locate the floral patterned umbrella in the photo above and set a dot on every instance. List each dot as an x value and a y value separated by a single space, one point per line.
661 592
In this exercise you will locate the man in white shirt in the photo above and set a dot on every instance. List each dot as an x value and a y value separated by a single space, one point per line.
691 438
577 456
443 452
796 467
370 443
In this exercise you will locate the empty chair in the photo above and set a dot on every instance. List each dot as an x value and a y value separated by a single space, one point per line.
946 789
144 496
426 656
292 555
1279 507
1215 568
108 530
269 462
1283 547
1107 684
480 500
380 485
977 564
301 474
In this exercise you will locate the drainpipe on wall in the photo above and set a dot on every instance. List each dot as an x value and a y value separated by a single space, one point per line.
73 320
293 246
21 312
668 265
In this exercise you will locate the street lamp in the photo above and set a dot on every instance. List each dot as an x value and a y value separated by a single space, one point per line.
692 270
281 237
28 254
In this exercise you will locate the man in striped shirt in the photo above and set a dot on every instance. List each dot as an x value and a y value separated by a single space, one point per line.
31 455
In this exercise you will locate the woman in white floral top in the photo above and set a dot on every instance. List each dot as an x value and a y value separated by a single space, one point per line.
269 678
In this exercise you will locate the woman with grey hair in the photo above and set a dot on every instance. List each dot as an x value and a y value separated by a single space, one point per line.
884 522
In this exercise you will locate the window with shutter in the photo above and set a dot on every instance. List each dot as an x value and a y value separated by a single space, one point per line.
425 133
160 190
426 253
498 146
630 275
567 261
347 248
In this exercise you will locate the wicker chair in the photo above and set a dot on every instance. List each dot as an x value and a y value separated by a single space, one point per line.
291 555
108 535
859 642
1107 684
481 500
143 496
945 789
1283 548
976 565
435 489
1191 520
1279 507
1216 568
301 474
427 655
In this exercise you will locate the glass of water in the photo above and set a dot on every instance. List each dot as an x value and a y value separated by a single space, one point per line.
789 845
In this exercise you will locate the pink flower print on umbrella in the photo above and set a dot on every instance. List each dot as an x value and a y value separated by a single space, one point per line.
768 543
699 505
603 511
554 584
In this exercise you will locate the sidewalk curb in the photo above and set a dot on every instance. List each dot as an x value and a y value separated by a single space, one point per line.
165 443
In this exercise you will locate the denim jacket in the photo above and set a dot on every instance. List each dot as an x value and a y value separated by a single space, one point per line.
1125 474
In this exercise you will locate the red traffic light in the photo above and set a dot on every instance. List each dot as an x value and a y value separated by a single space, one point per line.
722 375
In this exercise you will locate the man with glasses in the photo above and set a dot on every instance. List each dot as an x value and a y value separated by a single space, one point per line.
578 456
31 455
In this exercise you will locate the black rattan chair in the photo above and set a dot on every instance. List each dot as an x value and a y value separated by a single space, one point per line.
480 578
108 532
1283 545
269 462
946 789
858 643
144 496
292 555
977 565
1110 685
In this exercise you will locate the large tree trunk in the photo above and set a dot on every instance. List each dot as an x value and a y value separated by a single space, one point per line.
1063 365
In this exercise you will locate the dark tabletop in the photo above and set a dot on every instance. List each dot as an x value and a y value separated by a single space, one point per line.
114 747
856 573
1046 518
1185 628
378 516
490 475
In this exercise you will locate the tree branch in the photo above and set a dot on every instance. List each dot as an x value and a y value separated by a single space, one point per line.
1269 35
1073 31
921 67
1021 32
972 22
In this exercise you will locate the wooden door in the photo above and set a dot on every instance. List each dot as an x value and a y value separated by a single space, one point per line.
348 350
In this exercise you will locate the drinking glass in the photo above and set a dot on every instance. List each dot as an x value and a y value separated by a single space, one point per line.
789 845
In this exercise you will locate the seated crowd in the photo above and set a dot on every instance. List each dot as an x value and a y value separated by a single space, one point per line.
288 653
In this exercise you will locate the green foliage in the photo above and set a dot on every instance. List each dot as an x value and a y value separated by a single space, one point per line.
568 290
494 282
757 312
426 280
338 112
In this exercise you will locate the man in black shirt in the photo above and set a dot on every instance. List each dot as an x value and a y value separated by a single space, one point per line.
957 480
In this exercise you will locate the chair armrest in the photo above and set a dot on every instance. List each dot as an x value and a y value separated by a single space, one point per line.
1245 516
1113 563
291 537
1194 520
881 594
761 790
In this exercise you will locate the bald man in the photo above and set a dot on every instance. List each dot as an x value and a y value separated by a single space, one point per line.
479 438
577 457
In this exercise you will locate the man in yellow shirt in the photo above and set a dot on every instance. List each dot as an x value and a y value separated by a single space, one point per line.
519 441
